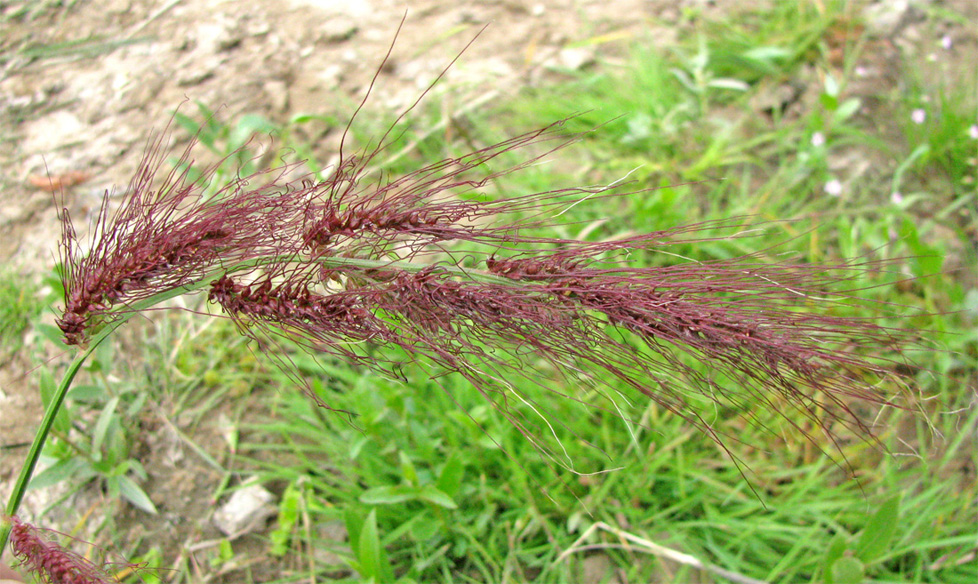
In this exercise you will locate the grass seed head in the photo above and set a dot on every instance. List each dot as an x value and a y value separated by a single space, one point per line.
466 283
51 562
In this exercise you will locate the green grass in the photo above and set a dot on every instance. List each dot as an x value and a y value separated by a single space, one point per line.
669 118
432 483
457 494
19 306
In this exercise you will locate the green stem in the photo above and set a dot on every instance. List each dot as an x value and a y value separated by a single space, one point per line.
26 471
57 400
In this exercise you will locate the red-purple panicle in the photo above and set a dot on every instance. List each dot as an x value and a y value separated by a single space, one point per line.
164 237
50 562
425 263
760 325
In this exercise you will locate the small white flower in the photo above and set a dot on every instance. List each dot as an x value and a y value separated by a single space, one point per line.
818 139
973 131
947 42
896 197
918 116
861 71
833 188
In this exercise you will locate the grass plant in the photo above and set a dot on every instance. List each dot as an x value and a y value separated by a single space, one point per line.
432 483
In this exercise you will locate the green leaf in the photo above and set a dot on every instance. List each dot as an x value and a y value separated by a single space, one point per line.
116 446
846 110
51 333
372 557
77 468
353 520
186 122
248 126
836 550
137 405
357 446
48 387
831 87
408 471
927 259
136 468
305 117
288 515
102 426
133 493
432 495
685 79
768 54
112 488
875 538
88 393
226 552
450 479
149 563
848 570
726 83
829 102
101 359
389 495
424 528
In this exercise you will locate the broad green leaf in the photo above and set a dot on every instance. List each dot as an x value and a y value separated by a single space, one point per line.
136 468
450 479
767 53
48 387
226 551
831 87
836 550
829 102
357 446
51 333
875 538
432 495
88 393
425 527
368 552
288 514
848 570
186 122
137 404
76 468
133 493
846 110
927 260
248 126
389 495
353 520
304 118
726 83
408 471
102 425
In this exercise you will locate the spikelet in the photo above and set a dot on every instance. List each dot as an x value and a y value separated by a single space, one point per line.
50 562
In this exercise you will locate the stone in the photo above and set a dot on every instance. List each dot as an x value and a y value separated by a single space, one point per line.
245 511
